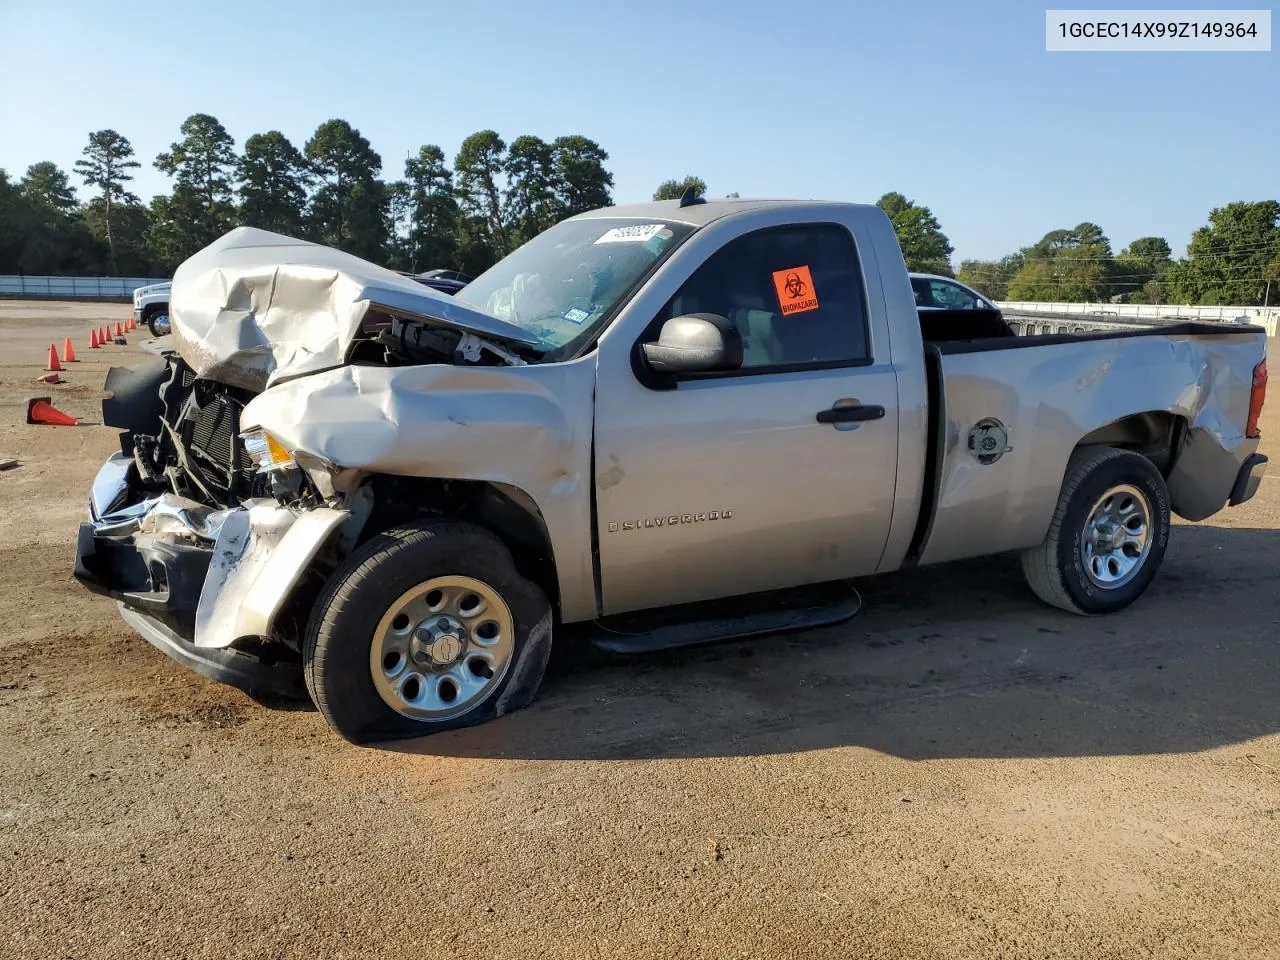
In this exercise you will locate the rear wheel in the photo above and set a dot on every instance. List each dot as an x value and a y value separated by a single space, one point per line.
1107 537
427 627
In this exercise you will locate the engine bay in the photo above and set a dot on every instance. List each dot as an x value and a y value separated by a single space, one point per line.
182 433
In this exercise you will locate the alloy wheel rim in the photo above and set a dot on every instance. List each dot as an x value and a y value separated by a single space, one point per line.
1117 537
441 648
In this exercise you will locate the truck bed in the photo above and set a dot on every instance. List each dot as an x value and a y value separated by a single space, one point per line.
1159 391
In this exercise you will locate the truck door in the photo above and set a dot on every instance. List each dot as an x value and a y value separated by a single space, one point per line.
779 474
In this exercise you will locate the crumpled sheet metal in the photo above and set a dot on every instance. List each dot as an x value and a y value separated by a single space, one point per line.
261 552
1050 397
256 307
529 427
178 518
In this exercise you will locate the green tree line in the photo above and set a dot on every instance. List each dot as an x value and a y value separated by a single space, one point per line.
496 195
1232 260
463 215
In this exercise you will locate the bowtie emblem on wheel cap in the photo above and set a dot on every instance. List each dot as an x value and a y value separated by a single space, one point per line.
437 643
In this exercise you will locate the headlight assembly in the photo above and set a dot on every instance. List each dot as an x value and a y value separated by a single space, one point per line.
266 451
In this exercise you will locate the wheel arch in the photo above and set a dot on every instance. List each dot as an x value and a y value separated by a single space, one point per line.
1156 434
1197 468
505 510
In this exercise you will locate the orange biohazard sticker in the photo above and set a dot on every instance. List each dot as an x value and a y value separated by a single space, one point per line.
795 290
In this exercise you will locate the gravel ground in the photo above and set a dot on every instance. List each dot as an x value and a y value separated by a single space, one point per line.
957 772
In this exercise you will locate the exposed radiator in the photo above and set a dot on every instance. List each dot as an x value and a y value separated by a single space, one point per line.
214 429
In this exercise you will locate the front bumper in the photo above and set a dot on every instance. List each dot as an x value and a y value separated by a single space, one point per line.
158 579
158 594
205 586
254 676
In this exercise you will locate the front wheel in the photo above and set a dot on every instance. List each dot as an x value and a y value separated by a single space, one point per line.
1107 537
427 627
158 323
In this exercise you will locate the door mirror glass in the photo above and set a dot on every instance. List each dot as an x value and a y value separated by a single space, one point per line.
695 343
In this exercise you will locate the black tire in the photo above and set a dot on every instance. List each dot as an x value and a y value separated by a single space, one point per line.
153 320
1055 570
340 633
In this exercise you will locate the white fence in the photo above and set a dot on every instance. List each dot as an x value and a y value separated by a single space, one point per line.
1268 317
74 288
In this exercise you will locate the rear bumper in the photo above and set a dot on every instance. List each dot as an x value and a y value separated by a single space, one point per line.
1248 479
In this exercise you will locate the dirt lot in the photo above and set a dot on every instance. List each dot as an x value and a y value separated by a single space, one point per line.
957 772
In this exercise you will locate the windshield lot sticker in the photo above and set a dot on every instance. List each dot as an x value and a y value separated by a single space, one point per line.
795 290
576 316
636 234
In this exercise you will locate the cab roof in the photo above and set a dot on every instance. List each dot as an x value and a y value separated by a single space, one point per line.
697 214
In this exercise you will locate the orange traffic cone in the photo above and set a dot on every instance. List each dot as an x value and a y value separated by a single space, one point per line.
40 410
53 359
102 335
119 329
132 324
68 352
93 340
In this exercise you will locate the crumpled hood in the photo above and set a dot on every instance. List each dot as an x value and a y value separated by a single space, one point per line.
256 307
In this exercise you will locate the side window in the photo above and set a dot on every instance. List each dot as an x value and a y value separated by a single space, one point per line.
953 297
794 293
920 287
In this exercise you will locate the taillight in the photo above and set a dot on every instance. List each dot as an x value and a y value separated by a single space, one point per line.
1256 397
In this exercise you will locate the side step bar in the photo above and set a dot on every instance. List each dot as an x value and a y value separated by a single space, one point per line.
802 609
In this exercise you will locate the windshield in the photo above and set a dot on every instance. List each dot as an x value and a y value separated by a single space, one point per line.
566 279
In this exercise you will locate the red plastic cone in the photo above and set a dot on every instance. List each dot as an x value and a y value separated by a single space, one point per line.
53 363
132 324
40 410
68 352
93 340
102 335
119 329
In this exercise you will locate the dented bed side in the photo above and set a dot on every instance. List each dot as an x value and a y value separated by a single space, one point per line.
1046 399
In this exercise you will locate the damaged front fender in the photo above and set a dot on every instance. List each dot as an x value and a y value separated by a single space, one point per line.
261 553
525 427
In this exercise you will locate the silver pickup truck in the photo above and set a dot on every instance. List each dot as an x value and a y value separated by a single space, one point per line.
651 425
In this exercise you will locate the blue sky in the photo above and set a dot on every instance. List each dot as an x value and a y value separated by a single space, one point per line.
956 105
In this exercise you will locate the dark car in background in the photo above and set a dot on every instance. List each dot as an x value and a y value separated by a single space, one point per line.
448 281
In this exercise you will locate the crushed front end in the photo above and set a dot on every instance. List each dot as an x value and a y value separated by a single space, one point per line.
216 540
201 544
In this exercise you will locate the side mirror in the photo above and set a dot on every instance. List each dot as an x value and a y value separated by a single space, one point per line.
695 343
